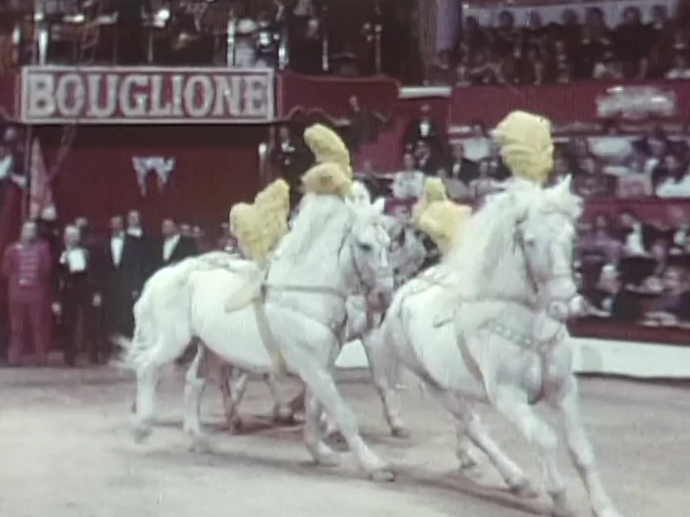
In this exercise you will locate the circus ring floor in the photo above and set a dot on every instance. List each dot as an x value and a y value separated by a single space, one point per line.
66 450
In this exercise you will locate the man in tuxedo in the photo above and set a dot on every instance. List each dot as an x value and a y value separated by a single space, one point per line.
122 277
144 248
76 297
174 247
423 128
427 161
460 168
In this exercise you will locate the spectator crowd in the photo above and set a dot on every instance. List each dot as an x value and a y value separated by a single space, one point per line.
71 288
578 48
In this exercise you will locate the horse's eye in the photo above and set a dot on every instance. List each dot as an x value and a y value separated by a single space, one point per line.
366 248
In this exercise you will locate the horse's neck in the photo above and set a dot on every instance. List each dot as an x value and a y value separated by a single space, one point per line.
321 264
509 281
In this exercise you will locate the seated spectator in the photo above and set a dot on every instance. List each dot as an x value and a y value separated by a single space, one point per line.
477 146
632 233
408 183
484 184
676 185
591 182
606 68
601 240
611 300
613 147
426 159
680 226
459 173
680 68
672 304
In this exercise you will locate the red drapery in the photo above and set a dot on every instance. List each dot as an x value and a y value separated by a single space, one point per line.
215 166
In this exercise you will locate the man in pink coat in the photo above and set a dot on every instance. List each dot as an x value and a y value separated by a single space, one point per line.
27 266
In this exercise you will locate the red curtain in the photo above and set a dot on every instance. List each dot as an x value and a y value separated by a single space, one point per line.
215 166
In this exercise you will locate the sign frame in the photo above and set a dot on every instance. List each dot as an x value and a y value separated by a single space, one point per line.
124 71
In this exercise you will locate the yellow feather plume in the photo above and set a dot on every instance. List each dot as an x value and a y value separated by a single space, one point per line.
332 175
259 227
439 217
526 145
327 146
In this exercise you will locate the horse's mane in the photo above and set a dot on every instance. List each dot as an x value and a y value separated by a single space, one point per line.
487 260
318 214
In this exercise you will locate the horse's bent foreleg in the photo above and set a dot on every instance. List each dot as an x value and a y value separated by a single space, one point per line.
581 451
321 452
381 363
513 404
469 427
320 383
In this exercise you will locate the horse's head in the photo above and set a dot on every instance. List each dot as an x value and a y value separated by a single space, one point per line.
370 246
545 231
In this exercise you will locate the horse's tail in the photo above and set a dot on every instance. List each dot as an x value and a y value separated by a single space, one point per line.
134 350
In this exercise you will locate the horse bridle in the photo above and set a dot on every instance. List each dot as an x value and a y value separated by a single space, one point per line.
560 308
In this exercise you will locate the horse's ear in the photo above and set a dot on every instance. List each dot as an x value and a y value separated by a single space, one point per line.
379 205
566 183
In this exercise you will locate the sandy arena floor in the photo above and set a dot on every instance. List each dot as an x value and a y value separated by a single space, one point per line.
66 450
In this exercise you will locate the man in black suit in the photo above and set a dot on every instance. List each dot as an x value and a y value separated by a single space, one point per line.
76 296
173 247
423 128
427 161
122 276
145 246
460 168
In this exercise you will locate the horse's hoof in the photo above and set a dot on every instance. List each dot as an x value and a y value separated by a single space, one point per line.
200 446
609 512
234 426
284 418
331 459
400 432
524 489
141 433
382 476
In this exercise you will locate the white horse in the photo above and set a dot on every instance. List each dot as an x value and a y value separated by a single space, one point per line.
407 255
296 311
510 289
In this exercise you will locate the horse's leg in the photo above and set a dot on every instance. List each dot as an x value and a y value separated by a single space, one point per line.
282 410
469 427
298 402
320 383
380 362
513 404
195 383
581 451
233 391
148 374
321 452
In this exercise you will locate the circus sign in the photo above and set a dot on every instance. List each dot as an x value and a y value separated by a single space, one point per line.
100 95
637 103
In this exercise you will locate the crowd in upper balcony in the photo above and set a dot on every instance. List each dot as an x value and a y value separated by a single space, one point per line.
580 47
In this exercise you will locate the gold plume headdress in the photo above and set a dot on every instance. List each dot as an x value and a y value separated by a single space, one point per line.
439 217
332 173
258 227
526 145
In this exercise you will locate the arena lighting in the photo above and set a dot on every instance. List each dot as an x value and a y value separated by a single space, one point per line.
163 15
